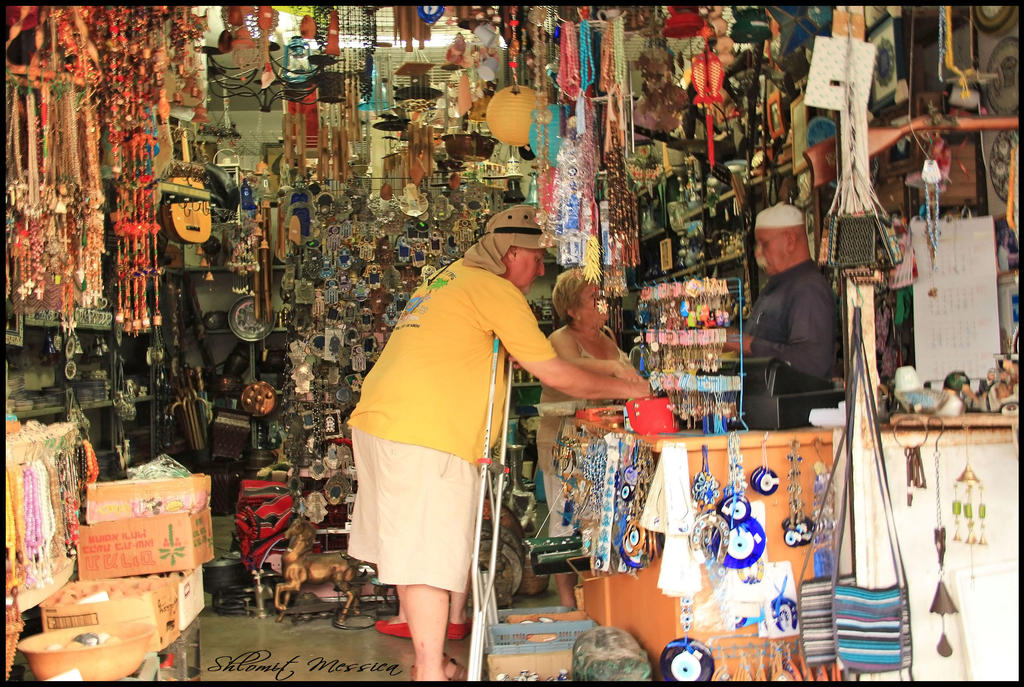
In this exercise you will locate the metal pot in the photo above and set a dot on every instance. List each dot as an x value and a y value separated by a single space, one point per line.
223 572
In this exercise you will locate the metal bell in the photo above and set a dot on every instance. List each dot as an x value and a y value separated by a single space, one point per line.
943 602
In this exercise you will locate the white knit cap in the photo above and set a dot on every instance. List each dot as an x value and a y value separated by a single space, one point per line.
779 216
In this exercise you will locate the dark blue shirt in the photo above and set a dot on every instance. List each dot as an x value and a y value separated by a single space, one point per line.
793 320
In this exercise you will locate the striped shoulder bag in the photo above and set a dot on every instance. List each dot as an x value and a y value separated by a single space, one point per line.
868 630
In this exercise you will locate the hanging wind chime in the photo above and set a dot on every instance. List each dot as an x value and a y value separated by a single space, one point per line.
942 604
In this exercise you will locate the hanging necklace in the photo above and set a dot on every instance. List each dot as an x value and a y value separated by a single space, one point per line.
569 62
931 176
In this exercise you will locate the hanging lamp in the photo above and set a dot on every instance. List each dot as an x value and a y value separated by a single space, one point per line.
683 22
708 76
510 114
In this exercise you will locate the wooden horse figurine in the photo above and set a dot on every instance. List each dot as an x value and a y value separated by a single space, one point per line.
298 566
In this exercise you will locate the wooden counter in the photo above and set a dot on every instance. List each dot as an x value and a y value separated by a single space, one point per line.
636 604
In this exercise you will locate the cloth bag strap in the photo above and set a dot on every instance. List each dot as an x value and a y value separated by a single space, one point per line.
858 384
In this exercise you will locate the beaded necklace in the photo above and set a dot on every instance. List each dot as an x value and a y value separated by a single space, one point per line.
569 61
585 57
15 526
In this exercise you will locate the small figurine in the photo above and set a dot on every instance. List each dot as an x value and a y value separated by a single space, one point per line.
956 386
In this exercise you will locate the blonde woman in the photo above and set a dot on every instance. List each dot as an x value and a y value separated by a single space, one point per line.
587 342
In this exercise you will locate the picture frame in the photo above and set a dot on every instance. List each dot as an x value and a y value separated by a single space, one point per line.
15 334
798 125
272 154
776 127
890 64
873 15
665 253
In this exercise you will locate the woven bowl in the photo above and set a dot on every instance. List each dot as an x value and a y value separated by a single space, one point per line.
118 657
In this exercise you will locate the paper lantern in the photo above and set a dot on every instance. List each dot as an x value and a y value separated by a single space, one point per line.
684 22
510 114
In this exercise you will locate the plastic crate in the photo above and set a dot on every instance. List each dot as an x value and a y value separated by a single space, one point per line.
503 638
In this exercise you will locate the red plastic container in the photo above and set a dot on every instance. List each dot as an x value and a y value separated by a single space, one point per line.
651 415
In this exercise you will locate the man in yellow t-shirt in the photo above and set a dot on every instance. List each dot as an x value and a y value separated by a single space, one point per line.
418 429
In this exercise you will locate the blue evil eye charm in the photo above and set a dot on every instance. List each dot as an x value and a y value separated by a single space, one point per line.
764 481
798 532
784 615
630 475
735 508
746 545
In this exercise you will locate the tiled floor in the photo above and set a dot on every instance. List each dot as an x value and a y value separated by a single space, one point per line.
250 649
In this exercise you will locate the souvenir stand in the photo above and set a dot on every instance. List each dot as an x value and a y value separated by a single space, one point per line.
217 215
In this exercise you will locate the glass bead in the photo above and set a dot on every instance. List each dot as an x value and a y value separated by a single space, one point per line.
981 511
957 506
968 510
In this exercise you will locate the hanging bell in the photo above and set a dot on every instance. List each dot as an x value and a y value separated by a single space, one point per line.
531 191
968 476
512 194
943 602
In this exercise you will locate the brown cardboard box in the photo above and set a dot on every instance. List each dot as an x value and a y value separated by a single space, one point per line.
546 664
140 546
132 498
148 600
191 600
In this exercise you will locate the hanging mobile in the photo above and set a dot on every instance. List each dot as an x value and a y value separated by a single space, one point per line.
798 528
705 486
763 479
967 506
943 602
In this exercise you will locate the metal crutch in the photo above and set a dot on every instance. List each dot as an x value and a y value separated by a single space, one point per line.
485 608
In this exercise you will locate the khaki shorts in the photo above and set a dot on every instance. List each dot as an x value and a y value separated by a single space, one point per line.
414 513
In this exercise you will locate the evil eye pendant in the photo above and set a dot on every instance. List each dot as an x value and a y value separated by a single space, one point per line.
764 481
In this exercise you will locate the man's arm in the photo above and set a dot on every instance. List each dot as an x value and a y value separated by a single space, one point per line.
580 382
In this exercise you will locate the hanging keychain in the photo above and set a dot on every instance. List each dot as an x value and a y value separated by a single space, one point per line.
799 529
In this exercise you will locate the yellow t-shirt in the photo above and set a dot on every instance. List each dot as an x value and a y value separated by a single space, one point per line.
430 385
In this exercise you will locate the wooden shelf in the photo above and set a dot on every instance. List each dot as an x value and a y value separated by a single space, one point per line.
228 331
38 412
215 270
33 322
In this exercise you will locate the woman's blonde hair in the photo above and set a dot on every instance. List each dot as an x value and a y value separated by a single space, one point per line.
566 293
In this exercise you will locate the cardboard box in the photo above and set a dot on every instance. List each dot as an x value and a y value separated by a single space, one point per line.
141 546
545 664
191 600
134 498
135 599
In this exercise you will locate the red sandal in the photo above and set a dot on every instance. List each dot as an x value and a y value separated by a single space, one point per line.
458 631
393 629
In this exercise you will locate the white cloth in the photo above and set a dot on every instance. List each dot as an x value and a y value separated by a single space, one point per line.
680 571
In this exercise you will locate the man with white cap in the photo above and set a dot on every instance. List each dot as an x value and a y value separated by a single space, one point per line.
793 318
418 429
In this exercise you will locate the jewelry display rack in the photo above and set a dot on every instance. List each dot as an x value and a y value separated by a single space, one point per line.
695 377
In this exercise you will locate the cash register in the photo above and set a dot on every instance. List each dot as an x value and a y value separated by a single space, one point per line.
777 396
